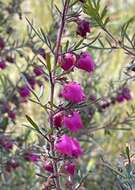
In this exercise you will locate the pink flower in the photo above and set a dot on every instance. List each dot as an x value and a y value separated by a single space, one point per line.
11 165
83 27
38 71
11 114
58 119
24 91
48 166
31 157
127 93
73 92
70 168
67 61
120 98
41 51
6 143
85 62
73 122
124 94
68 146
31 81
2 64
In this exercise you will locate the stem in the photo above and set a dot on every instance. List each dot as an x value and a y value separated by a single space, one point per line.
52 83
60 32
118 43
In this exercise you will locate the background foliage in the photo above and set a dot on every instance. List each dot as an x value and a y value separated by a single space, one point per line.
104 146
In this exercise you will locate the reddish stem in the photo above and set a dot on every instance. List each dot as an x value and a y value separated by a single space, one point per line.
52 82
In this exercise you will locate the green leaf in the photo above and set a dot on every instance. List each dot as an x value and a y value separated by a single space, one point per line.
66 46
4 124
32 123
78 43
106 21
104 12
48 61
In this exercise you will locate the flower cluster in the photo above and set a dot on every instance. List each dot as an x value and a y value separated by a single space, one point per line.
84 61
73 93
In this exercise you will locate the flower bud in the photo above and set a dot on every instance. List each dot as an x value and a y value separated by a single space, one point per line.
2 64
48 166
38 71
67 61
83 27
70 168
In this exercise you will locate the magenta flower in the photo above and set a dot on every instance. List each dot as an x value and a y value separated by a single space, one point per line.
70 168
12 114
2 64
127 94
41 51
85 62
73 92
11 165
120 98
93 98
6 143
24 91
58 119
48 166
67 61
73 122
124 94
38 71
31 157
31 81
68 146
2 43
83 27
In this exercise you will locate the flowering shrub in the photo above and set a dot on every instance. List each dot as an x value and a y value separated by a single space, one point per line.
63 155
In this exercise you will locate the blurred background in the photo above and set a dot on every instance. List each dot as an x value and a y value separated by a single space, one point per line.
112 65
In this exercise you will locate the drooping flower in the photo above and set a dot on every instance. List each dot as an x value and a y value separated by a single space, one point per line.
70 168
2 64
68 146
93 98
127 93
11 114
67 61
11 165
85 62
48 166
6 143
76 149
41 51
83 27
73 92
124 94
38 71
58 119
31 80
31 157
120 98
24 91
2 43
73 122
